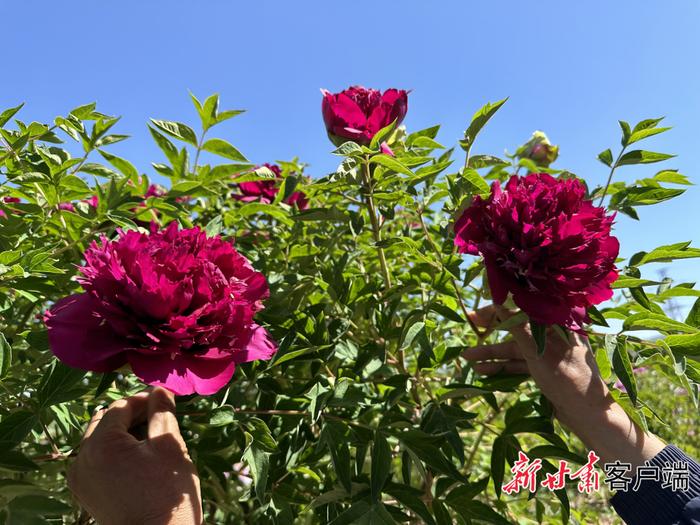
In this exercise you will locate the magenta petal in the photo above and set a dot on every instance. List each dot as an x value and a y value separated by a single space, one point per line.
182 374
260 346
497 283
81 339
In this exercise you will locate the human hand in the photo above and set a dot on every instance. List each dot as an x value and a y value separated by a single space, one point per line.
568 376
120 479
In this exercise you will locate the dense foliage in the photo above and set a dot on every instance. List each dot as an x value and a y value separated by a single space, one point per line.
366 413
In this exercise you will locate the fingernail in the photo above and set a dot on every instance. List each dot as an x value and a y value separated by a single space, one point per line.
98 408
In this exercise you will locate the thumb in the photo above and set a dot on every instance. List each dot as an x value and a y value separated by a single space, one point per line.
520 332
161 414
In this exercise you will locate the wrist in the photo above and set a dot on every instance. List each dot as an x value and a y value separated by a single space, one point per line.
613 435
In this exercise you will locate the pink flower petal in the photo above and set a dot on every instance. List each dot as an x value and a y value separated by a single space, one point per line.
81 339
182 373
260 346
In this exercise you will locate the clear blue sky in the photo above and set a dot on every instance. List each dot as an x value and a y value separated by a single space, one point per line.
570 69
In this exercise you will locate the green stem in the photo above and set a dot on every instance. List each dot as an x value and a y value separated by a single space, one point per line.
199 150
375 223
610 176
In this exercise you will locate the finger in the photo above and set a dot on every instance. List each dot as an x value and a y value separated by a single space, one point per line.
504 350
124 413
491 316
489 368
94 421
161 414
521 333
484 317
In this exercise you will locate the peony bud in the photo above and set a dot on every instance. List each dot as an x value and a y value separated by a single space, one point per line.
539 150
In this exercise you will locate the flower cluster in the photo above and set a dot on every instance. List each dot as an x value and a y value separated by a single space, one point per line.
546 244
176 305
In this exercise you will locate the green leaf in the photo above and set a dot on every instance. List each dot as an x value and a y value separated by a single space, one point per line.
177 130
381 465
419 443
476 185
666 253
693 318
498 463
632 282
672 177
16 461
477 510
688 345
626 132
390 163
5 356
426 142
259 463
123 165
411 498
349 149
57 384
597 317
6 115
15 426
642 157
483 161
167 147
381 135
603 361
539 334
252 208
184 187
655 321
644 133
646 124
606 157
334 435
38 505
478 121
224 149
623 368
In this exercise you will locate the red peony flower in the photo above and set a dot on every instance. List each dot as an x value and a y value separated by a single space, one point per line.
8 200
93 201
265 191
358 113
176 305
546 244
154 190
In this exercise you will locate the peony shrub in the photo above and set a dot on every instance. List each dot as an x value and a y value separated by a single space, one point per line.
312 326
